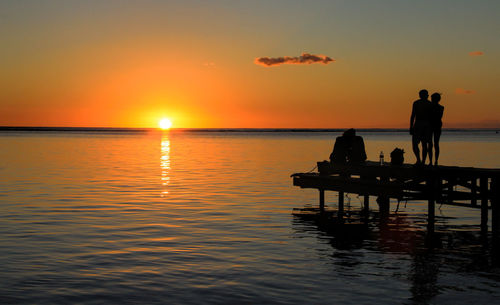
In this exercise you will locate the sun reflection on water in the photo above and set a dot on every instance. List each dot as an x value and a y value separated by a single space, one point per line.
165 164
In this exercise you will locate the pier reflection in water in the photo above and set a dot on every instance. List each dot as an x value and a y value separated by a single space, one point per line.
395 245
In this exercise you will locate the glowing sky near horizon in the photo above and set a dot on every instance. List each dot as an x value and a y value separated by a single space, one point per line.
131 63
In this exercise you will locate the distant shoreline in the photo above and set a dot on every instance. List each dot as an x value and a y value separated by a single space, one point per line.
146 130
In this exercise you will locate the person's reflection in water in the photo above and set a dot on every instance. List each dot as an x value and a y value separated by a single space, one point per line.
397 235
165 164
423 276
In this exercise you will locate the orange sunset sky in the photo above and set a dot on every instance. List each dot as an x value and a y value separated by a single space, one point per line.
247 64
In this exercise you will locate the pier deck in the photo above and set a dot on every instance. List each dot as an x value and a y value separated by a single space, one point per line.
462 186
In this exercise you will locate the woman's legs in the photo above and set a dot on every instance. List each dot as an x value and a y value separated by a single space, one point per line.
437 135
430 151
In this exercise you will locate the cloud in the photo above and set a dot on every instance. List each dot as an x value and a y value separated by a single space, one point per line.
210 64
476 53
304 59
463 91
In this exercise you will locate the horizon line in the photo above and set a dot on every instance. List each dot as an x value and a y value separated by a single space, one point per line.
298 129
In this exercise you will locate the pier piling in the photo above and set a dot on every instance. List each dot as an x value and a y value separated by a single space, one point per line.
431 203
366 206
341 207
322 200
473 190
495 209
483 190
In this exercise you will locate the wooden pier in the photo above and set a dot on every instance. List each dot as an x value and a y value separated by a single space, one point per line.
450 185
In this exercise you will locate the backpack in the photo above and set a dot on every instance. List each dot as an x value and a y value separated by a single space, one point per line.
397 157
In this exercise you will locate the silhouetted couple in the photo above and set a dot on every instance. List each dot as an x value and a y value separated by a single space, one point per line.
425 124
349 148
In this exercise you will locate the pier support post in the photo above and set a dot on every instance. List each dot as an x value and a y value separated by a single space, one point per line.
431 209
495 219
483 189
384 205
321 200
451 185
341 207
495 209
366 206
473 190
439 190
431 216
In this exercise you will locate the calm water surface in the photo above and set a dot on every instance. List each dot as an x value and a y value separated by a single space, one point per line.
206 217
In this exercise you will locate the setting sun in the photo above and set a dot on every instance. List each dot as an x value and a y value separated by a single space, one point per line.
165 124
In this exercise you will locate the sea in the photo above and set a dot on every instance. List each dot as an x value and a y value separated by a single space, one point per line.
206 216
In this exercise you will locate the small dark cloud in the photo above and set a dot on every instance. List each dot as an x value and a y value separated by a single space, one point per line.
463 91
476 53
304 59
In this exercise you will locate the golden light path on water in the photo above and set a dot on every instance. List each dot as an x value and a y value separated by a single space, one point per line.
165 163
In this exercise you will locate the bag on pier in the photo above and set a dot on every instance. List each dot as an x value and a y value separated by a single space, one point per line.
397 157
324 167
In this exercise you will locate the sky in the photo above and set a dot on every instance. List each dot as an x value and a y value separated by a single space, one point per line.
247 64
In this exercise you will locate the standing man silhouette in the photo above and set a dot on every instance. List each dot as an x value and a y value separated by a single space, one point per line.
420 125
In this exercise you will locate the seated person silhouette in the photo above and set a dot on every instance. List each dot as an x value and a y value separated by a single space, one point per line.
348 149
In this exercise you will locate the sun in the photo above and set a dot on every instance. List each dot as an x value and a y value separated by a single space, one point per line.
165 124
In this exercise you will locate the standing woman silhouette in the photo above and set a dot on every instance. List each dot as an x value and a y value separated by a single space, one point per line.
436 124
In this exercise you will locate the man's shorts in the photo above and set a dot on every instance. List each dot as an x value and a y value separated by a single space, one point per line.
422 131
